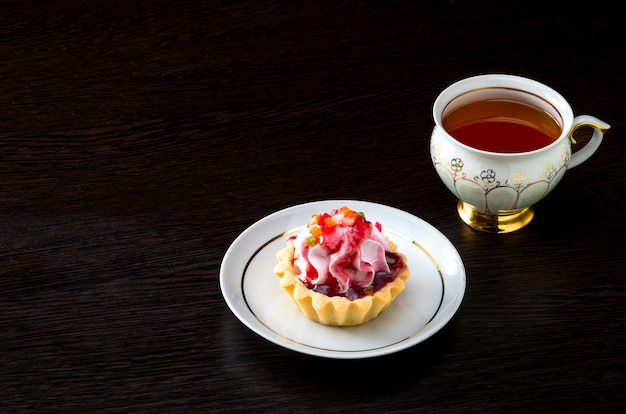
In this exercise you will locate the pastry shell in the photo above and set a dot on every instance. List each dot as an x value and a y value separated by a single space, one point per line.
335 310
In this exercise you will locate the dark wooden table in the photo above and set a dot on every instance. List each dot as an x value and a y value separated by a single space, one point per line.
139 139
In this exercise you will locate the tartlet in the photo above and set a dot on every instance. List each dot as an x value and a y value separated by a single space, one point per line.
341 270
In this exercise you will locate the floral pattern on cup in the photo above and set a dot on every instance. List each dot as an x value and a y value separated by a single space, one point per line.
491 193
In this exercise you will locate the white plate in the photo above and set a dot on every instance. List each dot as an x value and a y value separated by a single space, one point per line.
433 292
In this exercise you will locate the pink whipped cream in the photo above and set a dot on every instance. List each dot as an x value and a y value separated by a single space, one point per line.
340 251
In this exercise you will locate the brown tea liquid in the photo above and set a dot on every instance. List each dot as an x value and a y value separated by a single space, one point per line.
504 121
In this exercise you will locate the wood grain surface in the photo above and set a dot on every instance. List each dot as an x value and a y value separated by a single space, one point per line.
139 139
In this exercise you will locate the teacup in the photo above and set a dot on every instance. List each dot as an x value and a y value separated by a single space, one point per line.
501 143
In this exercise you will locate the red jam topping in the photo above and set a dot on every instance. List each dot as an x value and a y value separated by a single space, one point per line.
342 254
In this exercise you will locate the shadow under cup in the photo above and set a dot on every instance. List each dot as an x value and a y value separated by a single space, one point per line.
501 143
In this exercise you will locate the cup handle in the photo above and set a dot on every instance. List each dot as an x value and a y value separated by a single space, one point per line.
599 129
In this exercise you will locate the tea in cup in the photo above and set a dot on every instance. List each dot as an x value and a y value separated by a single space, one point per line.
501 143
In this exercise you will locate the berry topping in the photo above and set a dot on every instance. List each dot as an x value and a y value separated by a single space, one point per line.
342 254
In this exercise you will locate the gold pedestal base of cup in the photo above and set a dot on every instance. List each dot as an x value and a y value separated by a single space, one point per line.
504 223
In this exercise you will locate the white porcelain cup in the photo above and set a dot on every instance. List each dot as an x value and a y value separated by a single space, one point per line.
497 190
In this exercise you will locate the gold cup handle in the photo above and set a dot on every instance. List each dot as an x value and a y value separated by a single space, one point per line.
599 129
